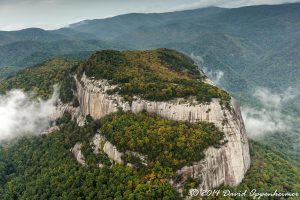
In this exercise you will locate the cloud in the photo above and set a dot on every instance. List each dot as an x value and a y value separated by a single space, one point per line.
270 117
197 59
270 99
263 121
215 76
21 115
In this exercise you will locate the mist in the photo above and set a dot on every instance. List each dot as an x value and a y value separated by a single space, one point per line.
214 75
21 114
269 117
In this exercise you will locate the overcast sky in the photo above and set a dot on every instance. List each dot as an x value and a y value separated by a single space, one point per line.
52 14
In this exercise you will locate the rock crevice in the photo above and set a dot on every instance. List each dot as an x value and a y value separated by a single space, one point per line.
224 165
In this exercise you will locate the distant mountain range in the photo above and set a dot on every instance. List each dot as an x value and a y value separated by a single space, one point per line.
252 46
249 43
241 49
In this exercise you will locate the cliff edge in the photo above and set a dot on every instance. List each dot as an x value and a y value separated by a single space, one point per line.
225 164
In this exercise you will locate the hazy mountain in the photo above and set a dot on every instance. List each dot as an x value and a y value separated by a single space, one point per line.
241 48
119 154
251 41
111 28
28 53
31 34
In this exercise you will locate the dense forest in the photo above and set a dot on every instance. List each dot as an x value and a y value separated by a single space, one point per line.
153 75
269 172
42 79
165 142
46 168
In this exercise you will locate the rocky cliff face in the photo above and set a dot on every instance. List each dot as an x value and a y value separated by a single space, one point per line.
224 165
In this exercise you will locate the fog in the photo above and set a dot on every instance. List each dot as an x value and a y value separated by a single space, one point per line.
270 117
214 75
21 114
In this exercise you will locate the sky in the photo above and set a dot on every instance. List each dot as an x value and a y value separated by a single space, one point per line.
53 14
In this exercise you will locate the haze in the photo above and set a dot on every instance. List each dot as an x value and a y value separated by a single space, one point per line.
52 14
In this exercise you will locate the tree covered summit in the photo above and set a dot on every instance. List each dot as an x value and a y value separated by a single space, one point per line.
156 75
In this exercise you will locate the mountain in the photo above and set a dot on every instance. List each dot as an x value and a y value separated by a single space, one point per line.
29 53
257 34
117 26
39 35
152 111
251 47
242 49
113 135
29 47
253 35
31 34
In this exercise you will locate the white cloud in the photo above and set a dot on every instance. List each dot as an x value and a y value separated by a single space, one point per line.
21 115
262 121
198 59
270 99
270 117
215 76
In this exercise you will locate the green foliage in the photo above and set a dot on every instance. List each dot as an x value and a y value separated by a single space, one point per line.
41 79
268 172
165 142
285 144
25 53
64 119
153 75
177 61
45 169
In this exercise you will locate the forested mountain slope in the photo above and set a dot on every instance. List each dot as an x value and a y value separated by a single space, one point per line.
44 166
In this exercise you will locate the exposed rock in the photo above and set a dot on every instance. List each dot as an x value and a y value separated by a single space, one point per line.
59 112
101 144
225 165
96 142
51 129
142 158
74 111
76 150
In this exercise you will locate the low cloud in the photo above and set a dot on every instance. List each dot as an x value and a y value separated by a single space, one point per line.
270 117
270 99
262 121
21 115
214 75
197 59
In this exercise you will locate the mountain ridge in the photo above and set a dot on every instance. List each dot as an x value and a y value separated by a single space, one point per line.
215 123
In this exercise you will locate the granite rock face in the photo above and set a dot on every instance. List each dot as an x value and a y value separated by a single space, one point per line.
74 111
102 144
76 151
226 164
